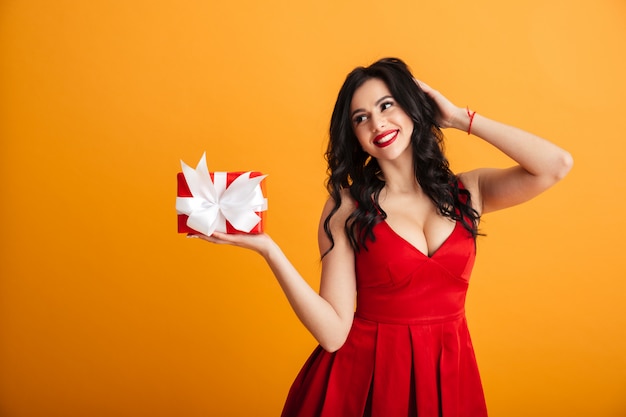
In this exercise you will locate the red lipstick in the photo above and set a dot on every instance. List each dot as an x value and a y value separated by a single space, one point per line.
386 138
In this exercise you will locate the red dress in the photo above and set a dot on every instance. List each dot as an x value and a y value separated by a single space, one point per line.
409 351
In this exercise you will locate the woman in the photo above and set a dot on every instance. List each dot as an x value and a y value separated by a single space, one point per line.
398 235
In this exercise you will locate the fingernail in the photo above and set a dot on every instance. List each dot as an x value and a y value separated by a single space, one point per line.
192 236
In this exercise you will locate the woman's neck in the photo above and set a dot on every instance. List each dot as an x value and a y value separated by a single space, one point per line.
399 175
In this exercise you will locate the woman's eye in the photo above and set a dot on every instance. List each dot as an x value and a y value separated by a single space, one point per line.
360 118
386 105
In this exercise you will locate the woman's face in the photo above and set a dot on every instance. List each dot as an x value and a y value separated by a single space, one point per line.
382 127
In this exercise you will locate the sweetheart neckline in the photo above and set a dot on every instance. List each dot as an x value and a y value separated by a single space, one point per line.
436 251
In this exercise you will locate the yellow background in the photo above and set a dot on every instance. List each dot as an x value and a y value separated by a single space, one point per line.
106 311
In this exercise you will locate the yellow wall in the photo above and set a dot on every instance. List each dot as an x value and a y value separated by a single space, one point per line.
106 311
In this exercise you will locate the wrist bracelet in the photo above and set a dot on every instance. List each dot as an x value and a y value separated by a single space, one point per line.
471 116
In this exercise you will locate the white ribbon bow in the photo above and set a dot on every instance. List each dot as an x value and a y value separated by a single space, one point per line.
213 203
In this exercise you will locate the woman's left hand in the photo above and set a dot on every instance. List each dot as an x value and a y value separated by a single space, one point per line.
449 114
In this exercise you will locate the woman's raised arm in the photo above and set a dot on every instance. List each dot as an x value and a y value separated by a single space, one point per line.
540 163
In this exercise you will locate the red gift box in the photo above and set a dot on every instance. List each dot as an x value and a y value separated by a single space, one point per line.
183 191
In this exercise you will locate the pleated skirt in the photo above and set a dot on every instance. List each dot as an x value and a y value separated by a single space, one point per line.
392 370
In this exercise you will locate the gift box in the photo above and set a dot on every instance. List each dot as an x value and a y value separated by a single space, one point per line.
227 202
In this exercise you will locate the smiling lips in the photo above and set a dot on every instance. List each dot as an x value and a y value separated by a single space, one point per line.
386 138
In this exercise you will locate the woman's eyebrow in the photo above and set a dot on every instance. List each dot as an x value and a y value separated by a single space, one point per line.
376 104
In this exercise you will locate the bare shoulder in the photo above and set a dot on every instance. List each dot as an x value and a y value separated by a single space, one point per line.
336 223
471 182
346 206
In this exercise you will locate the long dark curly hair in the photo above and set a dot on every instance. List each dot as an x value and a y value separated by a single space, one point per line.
350 167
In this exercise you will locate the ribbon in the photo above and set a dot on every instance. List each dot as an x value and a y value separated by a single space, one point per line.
214 203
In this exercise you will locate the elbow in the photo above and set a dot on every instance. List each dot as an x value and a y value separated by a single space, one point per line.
563 165
334 342
332 346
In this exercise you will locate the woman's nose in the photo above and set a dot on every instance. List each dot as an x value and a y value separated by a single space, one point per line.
378 122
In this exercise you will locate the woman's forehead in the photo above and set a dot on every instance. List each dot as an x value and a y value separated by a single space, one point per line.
369 93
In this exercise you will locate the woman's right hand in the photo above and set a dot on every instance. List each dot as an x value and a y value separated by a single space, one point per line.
260 243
